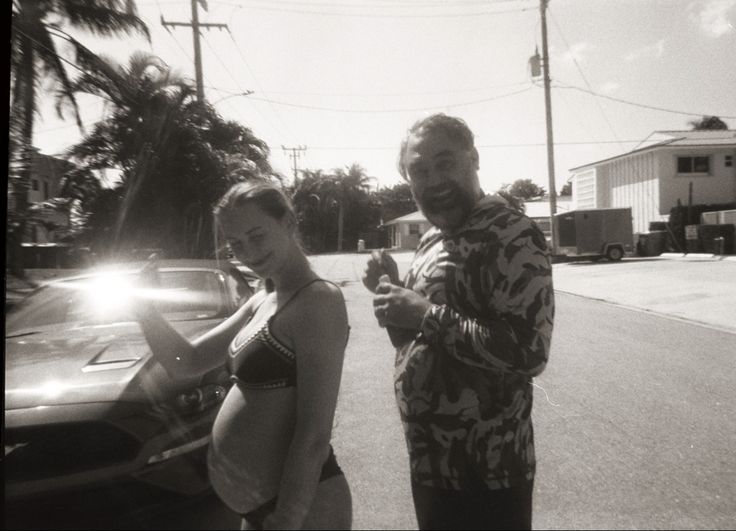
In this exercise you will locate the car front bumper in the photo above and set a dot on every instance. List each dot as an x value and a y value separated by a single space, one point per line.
54 448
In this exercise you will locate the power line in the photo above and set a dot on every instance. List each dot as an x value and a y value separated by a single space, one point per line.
415 109
195 24
377 94
186 54
518 145
642 105
258 84
559 31
388 94
242 91
375 15
295 155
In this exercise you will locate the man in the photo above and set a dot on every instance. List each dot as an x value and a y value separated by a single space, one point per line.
472 323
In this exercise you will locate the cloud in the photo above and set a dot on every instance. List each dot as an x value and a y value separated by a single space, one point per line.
653 51
609 87
716 18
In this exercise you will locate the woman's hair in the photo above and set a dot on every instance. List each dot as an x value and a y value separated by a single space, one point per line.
455 128
260 192
264 194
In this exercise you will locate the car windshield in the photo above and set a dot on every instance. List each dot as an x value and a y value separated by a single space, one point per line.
106 298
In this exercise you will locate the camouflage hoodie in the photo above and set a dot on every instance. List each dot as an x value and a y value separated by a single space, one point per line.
463 382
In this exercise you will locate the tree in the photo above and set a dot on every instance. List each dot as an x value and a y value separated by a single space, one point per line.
321 200
177 157
352 186
524 189
567 189
708 123
315 203
34 56
395 201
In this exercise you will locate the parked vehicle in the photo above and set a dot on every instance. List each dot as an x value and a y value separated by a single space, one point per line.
85 402
595 233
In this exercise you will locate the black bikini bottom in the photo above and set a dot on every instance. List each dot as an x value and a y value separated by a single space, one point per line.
257 516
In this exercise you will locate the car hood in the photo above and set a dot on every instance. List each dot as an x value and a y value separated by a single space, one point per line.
56 366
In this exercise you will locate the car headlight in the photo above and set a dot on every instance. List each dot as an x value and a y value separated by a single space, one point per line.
199 399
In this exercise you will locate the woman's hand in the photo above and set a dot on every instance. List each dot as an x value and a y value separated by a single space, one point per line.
148 280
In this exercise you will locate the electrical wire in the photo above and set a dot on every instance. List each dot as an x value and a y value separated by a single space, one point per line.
243 92
258 84
569 49
414 109
373 15
488 146
642 105
390 94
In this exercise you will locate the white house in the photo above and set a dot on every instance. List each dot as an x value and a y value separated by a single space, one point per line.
689 166
405 232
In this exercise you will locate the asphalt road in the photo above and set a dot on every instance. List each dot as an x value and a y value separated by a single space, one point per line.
633 416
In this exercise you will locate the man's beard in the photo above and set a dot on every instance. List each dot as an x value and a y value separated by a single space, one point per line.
447 206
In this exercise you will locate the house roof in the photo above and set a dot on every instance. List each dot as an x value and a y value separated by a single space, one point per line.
668 139
414 217
533 209
540 209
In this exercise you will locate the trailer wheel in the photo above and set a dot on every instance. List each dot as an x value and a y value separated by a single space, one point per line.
615 253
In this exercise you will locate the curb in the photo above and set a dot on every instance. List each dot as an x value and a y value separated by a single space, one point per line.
658 313
685 256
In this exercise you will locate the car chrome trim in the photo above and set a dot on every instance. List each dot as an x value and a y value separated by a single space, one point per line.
179 450
110 365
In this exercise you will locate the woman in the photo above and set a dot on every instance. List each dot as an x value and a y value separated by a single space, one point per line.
270 458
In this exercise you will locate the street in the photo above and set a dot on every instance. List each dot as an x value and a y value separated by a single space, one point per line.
633 416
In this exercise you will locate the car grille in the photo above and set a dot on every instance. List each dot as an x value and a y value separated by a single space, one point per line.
57 450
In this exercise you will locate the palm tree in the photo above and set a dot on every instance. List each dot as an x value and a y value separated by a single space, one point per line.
314 200
176 155
350 182
34 56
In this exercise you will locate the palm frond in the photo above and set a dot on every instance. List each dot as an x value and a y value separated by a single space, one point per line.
103 17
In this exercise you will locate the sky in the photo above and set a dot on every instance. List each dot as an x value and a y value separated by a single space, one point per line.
346 79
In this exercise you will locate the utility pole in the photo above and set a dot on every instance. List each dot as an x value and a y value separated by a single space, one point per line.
296 153
195 24
550 138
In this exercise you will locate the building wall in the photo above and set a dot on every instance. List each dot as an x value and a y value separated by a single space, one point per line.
633 182
401 238
717 187
649 183
46 174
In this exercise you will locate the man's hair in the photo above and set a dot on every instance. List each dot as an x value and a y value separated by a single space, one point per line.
455 128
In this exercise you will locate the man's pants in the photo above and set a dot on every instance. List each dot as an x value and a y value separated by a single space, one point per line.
474 509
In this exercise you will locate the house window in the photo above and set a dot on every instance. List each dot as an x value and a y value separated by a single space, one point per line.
35 185
693 165
729 161
413 229
45 190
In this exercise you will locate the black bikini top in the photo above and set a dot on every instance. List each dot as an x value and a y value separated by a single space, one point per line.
260 361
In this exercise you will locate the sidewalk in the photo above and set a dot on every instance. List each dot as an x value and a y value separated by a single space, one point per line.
699 288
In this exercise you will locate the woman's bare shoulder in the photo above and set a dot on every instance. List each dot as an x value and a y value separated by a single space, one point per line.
318 301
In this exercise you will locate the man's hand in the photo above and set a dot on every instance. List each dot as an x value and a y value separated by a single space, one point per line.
397 306
380 263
